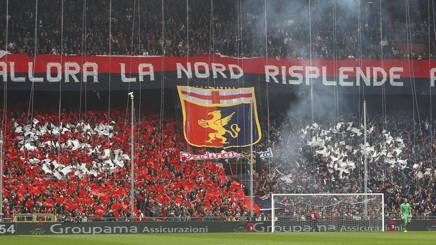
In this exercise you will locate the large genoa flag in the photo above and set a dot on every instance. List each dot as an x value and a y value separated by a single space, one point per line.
219 118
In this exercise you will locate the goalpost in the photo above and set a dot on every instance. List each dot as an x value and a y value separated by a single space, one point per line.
327 212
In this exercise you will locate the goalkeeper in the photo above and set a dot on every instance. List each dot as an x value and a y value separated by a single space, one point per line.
406 214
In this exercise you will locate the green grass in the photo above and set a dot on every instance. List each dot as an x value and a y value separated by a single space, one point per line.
387 238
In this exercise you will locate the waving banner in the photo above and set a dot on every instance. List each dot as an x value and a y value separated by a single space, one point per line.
219 118
186 156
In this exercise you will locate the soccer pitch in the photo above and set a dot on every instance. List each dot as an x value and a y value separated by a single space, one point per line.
387 238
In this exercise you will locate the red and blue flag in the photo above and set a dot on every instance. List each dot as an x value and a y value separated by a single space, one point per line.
220 118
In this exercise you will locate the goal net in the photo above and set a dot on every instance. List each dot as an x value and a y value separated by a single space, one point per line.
327 212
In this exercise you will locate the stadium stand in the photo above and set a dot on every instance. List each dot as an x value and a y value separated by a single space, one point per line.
325 158
77 166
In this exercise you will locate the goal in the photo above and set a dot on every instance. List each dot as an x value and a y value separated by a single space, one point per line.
327 212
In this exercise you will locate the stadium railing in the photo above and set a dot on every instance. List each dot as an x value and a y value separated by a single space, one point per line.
34 217
40 217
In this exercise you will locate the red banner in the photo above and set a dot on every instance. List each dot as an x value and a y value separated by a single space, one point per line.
126 64
216 64
17 68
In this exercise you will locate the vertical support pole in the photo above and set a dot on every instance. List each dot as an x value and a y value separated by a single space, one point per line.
365 175
4 114
251 164
132 159
312 113
273 216
383 211
1 175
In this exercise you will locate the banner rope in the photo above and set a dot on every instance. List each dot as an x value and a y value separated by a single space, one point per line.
411 79
139 52
335 41
83 53
362 89
60 83
110 62
5 85
430 93
268 142
162 80
35 51
187 44
61 59
129 69
240 46
383 88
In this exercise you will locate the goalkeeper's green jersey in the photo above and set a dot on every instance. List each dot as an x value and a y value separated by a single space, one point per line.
405 209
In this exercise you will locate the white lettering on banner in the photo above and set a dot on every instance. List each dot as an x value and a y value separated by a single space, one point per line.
123 75
343 76
202 70
218 68
376 71
57 67
270 73
186 156
324 78
60 229
121 229
7 229
53 72
71 69
366 77
4 71
145 70
294 227
299 76
162 229
12 72
311 72
363 76
90 70
283 74
236 71
265 154
187 70
393 76
31 75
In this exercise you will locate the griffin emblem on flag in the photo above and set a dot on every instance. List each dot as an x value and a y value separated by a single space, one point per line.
220 118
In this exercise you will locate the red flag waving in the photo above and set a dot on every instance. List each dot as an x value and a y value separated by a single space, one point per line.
220 118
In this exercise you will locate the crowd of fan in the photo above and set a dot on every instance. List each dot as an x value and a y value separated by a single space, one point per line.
331 29
79 181
80 167
401 161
